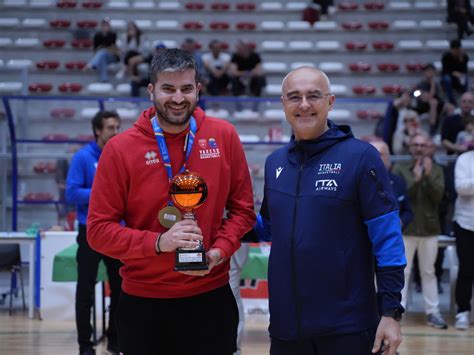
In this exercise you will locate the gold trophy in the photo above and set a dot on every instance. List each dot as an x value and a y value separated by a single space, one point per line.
188 191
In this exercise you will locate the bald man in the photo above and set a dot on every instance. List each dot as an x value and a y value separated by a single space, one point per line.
329 210
399 185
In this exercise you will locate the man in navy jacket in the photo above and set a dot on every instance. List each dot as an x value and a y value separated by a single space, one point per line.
333 220
105 125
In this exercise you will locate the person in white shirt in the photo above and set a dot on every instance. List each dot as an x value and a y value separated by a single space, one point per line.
216 62
464 232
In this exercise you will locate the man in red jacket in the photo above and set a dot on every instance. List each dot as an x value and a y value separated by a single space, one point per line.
162 311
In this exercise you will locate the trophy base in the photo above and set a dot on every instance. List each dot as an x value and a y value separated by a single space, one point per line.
190 260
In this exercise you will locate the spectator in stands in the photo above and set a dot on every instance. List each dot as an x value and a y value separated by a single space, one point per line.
140 80
464 232
246 71
410 127
460 12
324 5
393 118
456 123
465 138
106 50
454 71
132 49
398 184
428 95
105 125
425 184
216 62
311 13
189 44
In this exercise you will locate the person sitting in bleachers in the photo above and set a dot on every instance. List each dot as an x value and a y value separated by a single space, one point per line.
189 44
456 123
465 138
139 80
411 126
132 48
246 71
454 71
393 118
105 50
429 97
216 62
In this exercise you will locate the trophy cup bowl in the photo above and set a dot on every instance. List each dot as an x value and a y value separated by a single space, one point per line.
188 191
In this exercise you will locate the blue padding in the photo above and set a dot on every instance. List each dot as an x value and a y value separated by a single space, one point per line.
387 242
262 228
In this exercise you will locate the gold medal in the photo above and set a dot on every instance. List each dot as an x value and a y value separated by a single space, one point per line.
168 216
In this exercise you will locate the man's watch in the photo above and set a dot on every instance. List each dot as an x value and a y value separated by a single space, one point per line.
395 313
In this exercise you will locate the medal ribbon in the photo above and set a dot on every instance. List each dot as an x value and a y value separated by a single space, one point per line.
160 139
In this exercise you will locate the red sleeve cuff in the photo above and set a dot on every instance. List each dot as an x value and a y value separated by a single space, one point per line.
149 243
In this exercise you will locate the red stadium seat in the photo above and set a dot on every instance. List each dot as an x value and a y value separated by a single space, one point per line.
360 67
70 87
245 6
347 6
356 46
40 87
224 46
369 114
54 43
364 89
414 67
378 25
86 24
220 6
352 25
383 46
81 43
44 167
92 5
38 196
75 65
252 45
392 89
59 24
66 4
219 25
194 6
246 26
193 25
85 137
47 64
374 6
62 113
388 67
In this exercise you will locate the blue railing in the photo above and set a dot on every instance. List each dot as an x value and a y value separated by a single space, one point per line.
101 103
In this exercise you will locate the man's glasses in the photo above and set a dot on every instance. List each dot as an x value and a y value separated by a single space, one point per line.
311 98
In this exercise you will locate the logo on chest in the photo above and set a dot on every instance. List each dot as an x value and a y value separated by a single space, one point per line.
326 185
151 158
210 149
334 168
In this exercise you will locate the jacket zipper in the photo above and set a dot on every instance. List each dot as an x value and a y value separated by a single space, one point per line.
293 251
380 190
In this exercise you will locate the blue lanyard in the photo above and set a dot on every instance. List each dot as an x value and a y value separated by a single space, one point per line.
160 139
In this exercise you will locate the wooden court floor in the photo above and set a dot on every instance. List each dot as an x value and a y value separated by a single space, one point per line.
22 336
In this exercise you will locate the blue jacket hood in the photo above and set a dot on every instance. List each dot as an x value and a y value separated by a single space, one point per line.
306 149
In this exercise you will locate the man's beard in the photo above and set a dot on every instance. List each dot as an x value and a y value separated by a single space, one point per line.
174 121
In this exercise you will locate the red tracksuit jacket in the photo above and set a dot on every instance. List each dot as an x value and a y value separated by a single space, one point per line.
131 184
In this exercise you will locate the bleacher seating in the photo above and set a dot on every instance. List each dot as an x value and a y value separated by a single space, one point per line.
348 44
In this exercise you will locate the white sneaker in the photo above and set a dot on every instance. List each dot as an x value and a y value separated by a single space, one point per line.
462 320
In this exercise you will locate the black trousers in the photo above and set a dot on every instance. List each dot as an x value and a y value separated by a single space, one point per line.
204 324
354 344
87 267
465 250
